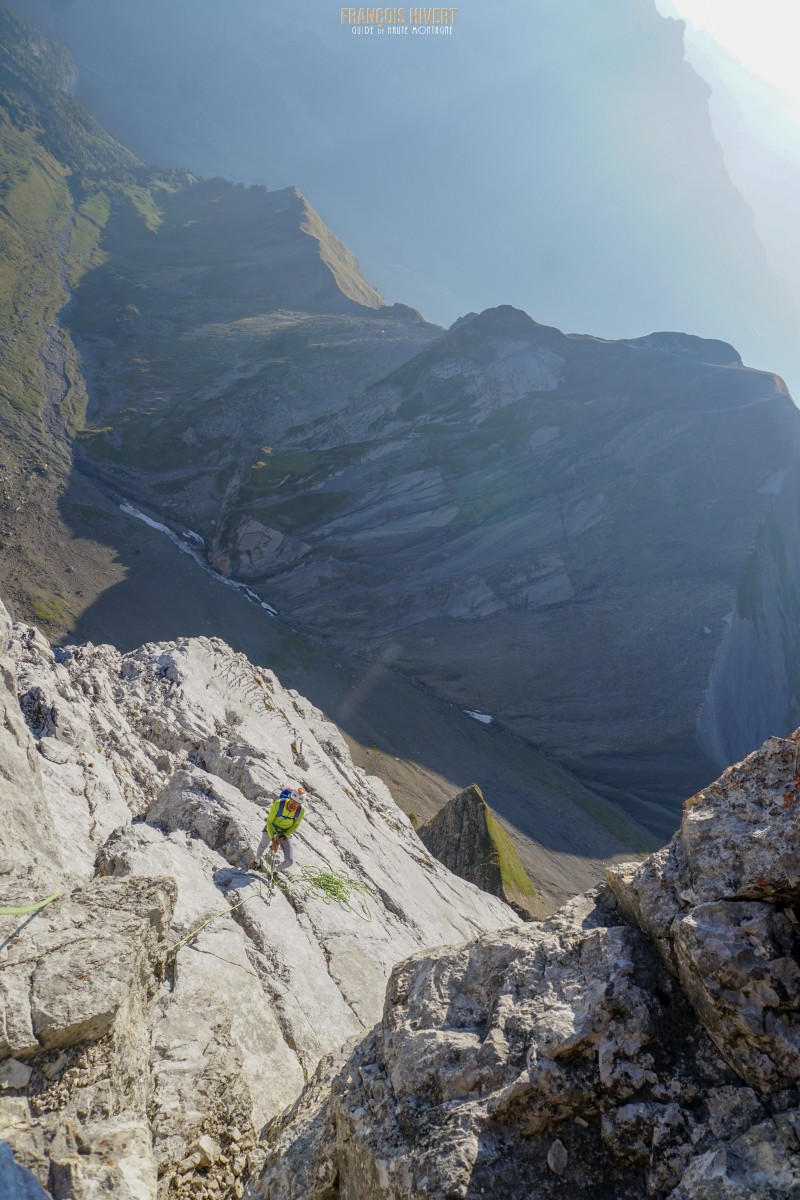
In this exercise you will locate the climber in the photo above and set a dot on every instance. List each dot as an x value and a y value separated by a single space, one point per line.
283 819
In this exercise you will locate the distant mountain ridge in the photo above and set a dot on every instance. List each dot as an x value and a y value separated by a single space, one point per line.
557 157
606 514
590 540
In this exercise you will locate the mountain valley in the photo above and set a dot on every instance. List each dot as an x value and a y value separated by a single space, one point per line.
585 540
502 601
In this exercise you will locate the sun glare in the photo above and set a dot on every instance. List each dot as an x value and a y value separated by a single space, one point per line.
763 36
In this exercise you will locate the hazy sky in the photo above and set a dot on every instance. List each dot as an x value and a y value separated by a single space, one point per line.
557 155
762 34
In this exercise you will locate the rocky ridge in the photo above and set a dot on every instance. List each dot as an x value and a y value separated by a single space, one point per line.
137 791
468 838
642 1042
614 181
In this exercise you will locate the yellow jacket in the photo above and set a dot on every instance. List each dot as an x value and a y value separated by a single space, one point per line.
281 823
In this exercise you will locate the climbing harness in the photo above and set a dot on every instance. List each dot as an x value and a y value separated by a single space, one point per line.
226 911
28 908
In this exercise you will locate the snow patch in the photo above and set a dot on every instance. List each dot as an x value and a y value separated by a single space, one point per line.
484 718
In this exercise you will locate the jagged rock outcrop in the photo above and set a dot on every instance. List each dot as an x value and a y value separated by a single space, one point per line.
642 1042
75 988
468 838
130 1068
721 904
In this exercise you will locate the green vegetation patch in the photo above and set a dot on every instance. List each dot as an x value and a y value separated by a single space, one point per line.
143 201
616 821
291 469
49 612
35 209
36 75
516 880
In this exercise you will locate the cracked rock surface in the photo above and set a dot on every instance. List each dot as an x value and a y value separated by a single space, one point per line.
138 790
721 903
641 1044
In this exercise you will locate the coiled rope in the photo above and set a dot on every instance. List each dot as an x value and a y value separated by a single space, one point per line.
334 887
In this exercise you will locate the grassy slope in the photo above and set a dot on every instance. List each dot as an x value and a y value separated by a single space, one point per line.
43 241
516 881
514 876
166 272
35 213
60 173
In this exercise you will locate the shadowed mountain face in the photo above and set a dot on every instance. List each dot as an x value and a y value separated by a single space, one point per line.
229 305
589 540
559 157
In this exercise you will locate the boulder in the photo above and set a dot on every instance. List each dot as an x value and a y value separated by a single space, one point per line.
82 977
720 902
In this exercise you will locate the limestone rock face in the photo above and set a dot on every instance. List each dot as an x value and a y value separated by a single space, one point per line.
128 1067
28 853
75 989
721 904
467 837
640 1043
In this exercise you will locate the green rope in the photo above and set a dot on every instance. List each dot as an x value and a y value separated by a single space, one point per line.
205 924
225 912
28 908
334 887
